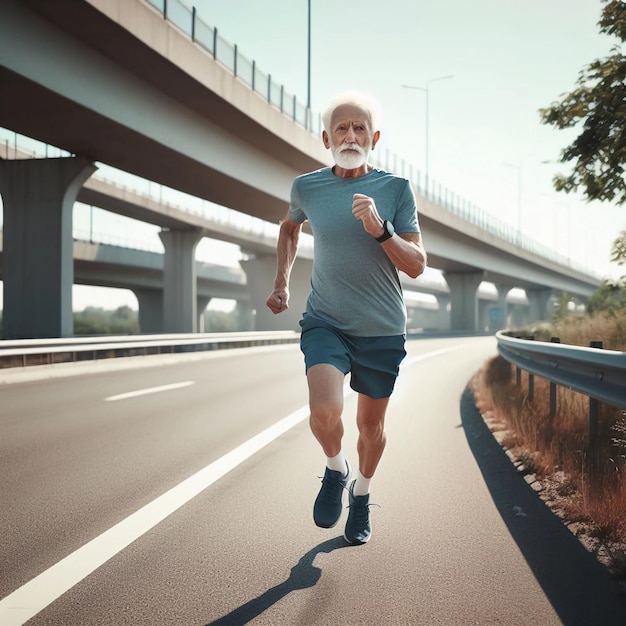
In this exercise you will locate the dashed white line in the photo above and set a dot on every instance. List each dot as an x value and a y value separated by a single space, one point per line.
144 392
34 596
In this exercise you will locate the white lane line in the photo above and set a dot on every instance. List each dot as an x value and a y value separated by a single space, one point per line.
143 392
34 596
422 357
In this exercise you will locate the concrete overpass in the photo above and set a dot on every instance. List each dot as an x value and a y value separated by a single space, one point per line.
128 89
141 271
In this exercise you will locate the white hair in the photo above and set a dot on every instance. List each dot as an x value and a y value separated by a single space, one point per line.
365 101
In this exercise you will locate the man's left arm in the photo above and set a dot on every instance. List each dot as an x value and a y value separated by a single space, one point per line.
406 251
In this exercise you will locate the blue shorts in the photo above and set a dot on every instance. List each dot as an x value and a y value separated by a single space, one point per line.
374 362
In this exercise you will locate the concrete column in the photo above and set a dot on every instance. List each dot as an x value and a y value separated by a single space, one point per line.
538 303
260 272
243 313
499 322
150 310
464 304
38 267
201 304
444 315
179 280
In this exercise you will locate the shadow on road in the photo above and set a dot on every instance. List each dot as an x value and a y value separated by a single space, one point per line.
578 586
303 575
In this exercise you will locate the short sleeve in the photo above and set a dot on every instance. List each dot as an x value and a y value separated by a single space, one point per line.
295 206
406 220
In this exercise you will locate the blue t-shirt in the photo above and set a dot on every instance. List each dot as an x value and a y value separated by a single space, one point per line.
354 285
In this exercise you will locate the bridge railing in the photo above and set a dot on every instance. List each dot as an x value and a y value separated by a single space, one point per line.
228 55
597 373
30 352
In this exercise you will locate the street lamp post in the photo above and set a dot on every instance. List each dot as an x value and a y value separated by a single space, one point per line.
425 90
308 73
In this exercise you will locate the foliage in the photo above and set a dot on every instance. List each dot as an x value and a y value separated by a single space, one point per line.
561 307
97 321
598 103
618 252
609 297
219 321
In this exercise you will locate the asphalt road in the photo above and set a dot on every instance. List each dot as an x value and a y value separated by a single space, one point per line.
179 490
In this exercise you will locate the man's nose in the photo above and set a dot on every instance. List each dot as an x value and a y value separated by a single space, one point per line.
350 135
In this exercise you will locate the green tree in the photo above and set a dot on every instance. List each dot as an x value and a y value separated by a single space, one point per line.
598 105
611 295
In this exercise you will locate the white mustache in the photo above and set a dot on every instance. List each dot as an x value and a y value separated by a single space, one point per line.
352 146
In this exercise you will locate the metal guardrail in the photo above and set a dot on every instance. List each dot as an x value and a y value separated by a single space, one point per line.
599 374
28 352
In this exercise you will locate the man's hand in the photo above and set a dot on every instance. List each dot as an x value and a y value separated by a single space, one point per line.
364 209
278 300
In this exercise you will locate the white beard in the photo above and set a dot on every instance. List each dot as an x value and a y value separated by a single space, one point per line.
349 160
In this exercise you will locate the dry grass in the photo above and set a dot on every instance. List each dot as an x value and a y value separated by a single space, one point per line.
585 482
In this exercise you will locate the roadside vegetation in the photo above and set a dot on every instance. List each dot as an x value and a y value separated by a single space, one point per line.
125 321
584 481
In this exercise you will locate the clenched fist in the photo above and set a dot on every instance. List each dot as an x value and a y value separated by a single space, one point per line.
364 209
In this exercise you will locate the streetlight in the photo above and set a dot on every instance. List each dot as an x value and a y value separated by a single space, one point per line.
425 90
308 73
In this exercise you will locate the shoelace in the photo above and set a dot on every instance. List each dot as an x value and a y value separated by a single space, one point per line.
332 487
361 510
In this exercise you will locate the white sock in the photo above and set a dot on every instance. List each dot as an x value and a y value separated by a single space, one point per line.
361 485
337 463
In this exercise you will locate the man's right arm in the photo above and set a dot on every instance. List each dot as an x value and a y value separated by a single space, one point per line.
286 250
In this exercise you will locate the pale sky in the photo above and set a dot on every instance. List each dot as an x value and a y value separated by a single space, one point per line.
508 58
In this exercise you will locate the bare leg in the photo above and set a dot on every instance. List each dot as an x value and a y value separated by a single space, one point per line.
370 420
326 403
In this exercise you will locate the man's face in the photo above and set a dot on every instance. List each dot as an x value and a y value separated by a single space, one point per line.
351 136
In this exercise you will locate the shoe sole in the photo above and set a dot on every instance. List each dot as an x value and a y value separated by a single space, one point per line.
357 543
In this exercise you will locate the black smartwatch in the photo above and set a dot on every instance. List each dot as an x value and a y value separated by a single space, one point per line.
389 231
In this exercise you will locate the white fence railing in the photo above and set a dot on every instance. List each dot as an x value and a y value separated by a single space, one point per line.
28 352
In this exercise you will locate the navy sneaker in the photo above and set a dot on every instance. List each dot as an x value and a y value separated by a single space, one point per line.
328 505
358 527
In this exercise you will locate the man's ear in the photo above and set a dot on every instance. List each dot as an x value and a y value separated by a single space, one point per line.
375 139
325 139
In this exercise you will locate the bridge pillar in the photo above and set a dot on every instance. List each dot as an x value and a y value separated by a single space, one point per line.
243 311
201 303
38 269
260 272
538 303
500 321
463 301
179 280
150 310
443 299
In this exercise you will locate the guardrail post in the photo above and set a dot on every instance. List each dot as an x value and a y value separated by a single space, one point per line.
193 24
553 386
253 73
594 407
215 43
165 9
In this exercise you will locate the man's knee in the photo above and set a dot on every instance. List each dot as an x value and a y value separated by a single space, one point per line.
326 413
372 430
